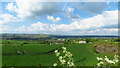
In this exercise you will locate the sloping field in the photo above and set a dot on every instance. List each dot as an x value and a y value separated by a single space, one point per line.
44 55
35 54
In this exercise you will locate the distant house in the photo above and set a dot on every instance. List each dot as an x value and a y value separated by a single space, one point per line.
61 39
82 42
56 43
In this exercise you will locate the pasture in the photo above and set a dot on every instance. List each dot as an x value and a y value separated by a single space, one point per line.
31 53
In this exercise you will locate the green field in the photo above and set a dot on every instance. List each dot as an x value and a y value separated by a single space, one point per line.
43 54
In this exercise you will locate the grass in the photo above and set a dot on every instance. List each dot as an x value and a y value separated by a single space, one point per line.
83 54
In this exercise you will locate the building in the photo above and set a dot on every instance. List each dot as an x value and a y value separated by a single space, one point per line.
82 42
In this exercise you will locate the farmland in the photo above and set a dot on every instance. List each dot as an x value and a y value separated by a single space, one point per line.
39 51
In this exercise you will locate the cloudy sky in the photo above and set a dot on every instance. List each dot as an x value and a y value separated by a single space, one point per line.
59 18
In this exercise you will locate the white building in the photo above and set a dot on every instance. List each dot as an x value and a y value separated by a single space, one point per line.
82 42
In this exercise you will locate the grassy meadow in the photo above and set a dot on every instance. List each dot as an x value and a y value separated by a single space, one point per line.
35 53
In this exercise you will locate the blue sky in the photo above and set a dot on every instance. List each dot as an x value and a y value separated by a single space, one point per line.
61 18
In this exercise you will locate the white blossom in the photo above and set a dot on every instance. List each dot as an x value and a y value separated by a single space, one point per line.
56 51
64 48
57 54
55 64
65 58
106 60
98 64
101 62
60 58
99 58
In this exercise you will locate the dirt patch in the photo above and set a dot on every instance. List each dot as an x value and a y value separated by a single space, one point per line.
106 49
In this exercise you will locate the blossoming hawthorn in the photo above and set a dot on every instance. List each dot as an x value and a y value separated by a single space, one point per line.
98 58
55 64
106 61
100 63
65 58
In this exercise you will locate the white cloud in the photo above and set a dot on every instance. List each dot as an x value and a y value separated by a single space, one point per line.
108 17
93 25
39 26
0 7
95 0
70 14
5 29
111 30
100 0
104 31
70 10
8 18
10 7
65 0
91 7
32 9
74 17
53 19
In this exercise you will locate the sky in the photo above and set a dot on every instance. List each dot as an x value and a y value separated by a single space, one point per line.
59 18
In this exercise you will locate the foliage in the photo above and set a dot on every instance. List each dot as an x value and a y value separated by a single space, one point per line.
84 54
106 61
65 58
